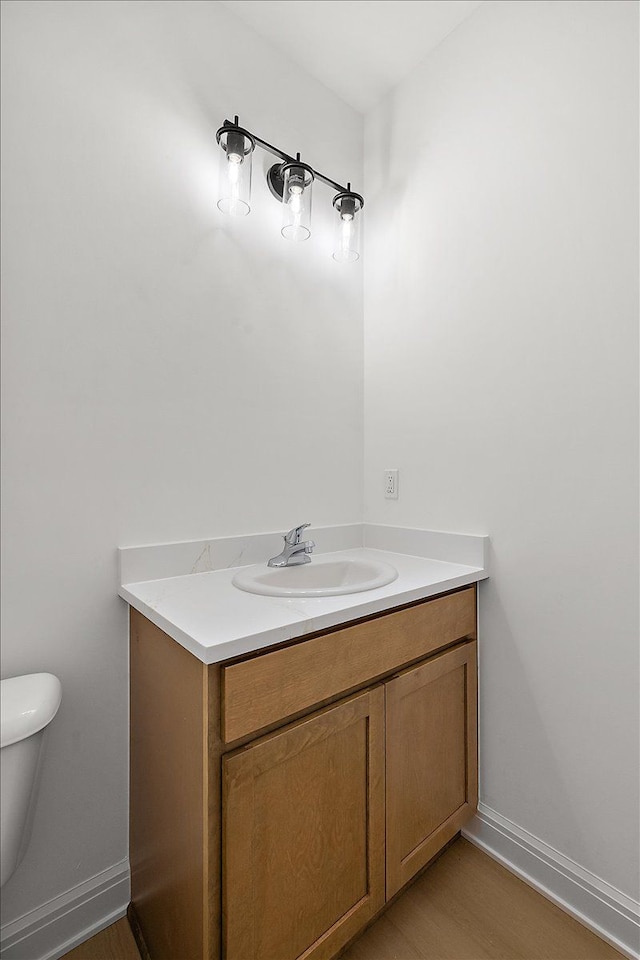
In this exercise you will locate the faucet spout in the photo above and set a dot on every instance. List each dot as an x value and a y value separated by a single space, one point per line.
295 551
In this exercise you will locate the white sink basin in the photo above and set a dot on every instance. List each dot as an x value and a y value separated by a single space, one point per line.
328 578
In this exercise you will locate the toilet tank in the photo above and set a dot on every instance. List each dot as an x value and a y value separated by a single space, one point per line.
28 704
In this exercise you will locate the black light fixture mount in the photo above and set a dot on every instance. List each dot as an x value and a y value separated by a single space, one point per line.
290 181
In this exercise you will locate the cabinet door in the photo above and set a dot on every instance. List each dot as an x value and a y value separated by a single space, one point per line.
303 834
432 770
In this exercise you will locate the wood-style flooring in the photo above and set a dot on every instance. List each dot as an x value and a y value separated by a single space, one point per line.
464 907
114 943
468 907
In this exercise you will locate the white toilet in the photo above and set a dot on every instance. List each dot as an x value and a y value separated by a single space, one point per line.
27 706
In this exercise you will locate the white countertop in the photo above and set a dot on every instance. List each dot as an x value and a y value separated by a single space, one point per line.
216 621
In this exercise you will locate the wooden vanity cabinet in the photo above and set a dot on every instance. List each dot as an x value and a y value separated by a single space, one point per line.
279 801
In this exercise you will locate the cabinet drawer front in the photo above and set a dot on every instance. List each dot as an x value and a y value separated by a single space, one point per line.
277 685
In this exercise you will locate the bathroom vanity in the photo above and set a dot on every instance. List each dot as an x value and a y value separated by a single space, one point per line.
282 796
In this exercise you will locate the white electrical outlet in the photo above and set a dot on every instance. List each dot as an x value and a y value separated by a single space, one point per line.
391 484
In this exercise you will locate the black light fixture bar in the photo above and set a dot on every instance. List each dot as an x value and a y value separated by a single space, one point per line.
285 157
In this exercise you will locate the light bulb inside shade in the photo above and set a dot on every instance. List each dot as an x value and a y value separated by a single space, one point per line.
235 196
345 238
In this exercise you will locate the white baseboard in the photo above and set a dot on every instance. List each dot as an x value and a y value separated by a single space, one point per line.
596 904
50 931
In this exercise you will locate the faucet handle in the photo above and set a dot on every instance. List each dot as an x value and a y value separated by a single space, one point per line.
293 537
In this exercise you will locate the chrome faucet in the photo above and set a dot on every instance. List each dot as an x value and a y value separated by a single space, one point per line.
295 551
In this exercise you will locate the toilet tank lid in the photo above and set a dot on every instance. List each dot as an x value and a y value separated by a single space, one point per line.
27 704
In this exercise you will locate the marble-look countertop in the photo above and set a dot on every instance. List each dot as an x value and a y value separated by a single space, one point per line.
216 621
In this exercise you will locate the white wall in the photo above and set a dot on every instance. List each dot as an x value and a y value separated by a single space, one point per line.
168 373
501 350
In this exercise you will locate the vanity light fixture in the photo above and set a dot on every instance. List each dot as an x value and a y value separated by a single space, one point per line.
291 182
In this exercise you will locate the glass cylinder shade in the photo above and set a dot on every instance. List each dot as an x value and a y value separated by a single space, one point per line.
296 201
346 242
234 186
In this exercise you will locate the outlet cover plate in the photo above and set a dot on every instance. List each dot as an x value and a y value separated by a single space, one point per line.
391 484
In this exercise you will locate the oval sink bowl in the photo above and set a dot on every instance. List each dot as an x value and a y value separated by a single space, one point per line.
319 578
